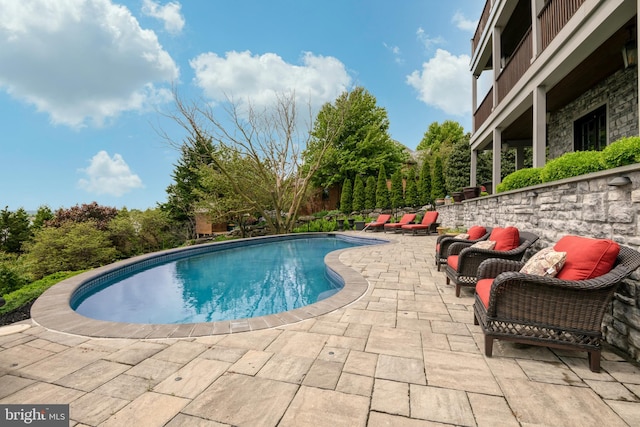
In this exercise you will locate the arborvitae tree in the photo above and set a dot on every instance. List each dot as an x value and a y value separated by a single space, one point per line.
438 189
397 198
424 186
370 193
346 198
358 194
411 191
43 215
382 192
457 176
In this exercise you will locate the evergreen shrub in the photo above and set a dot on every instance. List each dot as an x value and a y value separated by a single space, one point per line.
572 164
625 151
519 179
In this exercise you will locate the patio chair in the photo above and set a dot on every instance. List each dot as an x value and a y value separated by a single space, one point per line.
378 223
474 234
555 312
428 224
396 226
464 258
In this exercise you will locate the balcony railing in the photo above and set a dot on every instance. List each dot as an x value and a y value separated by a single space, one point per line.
484 18
483 110
517 65
554 16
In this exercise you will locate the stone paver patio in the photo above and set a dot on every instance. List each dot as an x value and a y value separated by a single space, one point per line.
405 354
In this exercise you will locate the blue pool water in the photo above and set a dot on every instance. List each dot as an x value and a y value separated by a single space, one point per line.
242 282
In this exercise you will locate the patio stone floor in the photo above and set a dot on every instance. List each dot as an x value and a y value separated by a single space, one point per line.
405 354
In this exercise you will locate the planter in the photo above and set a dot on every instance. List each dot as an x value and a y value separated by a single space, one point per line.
350 220
488 186
439 202
359 225
458 196
340 223
471 192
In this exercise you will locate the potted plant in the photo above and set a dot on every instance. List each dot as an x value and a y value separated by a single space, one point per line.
471 192
458 196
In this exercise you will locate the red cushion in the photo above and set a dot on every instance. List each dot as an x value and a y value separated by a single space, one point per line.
586 257
437 247
483 289
453 261
476 232
506 238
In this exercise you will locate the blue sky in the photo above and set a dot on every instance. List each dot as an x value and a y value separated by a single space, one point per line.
84 83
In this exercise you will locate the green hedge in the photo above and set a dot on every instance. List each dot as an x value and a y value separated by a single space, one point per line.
519 179
625 151
572 164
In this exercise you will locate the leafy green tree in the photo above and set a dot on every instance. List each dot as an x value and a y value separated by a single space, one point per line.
69 247
438 189
363 144
458 173
424 184
43 215
370 193
411 192
346 197
442 135
14 230
397 196
13 274
382 192
358 194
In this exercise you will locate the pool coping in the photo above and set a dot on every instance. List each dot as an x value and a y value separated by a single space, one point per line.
52 310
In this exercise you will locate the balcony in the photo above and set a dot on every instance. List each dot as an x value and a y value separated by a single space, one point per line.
484 18
482 112
516 66
554 16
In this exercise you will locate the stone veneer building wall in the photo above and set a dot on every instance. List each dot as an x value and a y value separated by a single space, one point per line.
585 206
619 93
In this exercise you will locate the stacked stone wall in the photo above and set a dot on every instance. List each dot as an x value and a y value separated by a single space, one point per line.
585 206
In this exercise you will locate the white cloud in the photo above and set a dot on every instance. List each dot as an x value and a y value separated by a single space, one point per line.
106 175
169 14
444 83
427 41
260 78
395 50
463 23
81 61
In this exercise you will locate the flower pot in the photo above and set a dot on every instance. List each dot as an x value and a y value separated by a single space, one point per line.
439 202
359 225
340 223
471 192
458 196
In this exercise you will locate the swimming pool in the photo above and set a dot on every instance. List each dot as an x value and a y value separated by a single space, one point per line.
224 283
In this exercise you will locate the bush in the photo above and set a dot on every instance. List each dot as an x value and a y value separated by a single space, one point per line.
317 226
519 179
572 164
30 292
625 151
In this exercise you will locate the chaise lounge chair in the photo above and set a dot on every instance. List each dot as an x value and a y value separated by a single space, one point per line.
563 312
428 224
397 226
378 223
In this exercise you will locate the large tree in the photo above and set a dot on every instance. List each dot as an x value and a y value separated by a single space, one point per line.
361 147
457 176
439 135
268 143
14 230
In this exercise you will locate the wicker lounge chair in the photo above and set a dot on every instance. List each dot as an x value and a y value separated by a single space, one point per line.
547 311
396 226
428 224
444 241
378 223
463 260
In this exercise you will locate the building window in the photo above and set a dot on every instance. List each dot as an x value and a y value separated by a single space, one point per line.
590 130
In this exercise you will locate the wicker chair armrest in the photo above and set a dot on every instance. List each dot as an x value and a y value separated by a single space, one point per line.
456 247
492 267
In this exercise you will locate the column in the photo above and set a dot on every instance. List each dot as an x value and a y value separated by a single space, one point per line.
497 53
539 126
497 152
474 168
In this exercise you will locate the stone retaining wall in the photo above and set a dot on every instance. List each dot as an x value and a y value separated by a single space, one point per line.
585 206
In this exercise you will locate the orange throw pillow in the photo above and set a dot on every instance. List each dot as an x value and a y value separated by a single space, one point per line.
586 257
506 238
476 232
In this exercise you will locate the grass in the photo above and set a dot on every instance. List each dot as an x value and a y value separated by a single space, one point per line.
30 292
